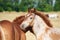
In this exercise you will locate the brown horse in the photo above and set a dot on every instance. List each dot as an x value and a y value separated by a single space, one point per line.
11 30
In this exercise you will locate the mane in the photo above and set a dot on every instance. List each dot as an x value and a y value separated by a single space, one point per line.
4 21
19 19
44 17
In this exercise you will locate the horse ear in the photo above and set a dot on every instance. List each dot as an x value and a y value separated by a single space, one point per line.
29 9
32 10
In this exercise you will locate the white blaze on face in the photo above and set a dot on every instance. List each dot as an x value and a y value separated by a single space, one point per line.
24 25
27 15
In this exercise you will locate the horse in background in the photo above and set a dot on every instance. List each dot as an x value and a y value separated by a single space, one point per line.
11 30
53 16
41 26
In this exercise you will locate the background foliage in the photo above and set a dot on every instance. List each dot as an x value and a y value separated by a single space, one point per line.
23 5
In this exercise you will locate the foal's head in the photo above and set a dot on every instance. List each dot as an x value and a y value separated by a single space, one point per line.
28 21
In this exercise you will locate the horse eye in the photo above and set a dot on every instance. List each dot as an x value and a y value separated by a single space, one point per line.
31 18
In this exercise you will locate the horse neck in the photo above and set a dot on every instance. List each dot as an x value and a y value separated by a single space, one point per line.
39 26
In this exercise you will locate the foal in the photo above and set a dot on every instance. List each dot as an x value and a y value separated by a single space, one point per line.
41 29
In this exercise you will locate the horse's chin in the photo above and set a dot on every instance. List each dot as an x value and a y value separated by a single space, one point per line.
29 28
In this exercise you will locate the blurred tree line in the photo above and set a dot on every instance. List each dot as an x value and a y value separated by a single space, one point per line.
23 5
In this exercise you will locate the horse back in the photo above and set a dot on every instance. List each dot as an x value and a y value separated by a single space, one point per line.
6 30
